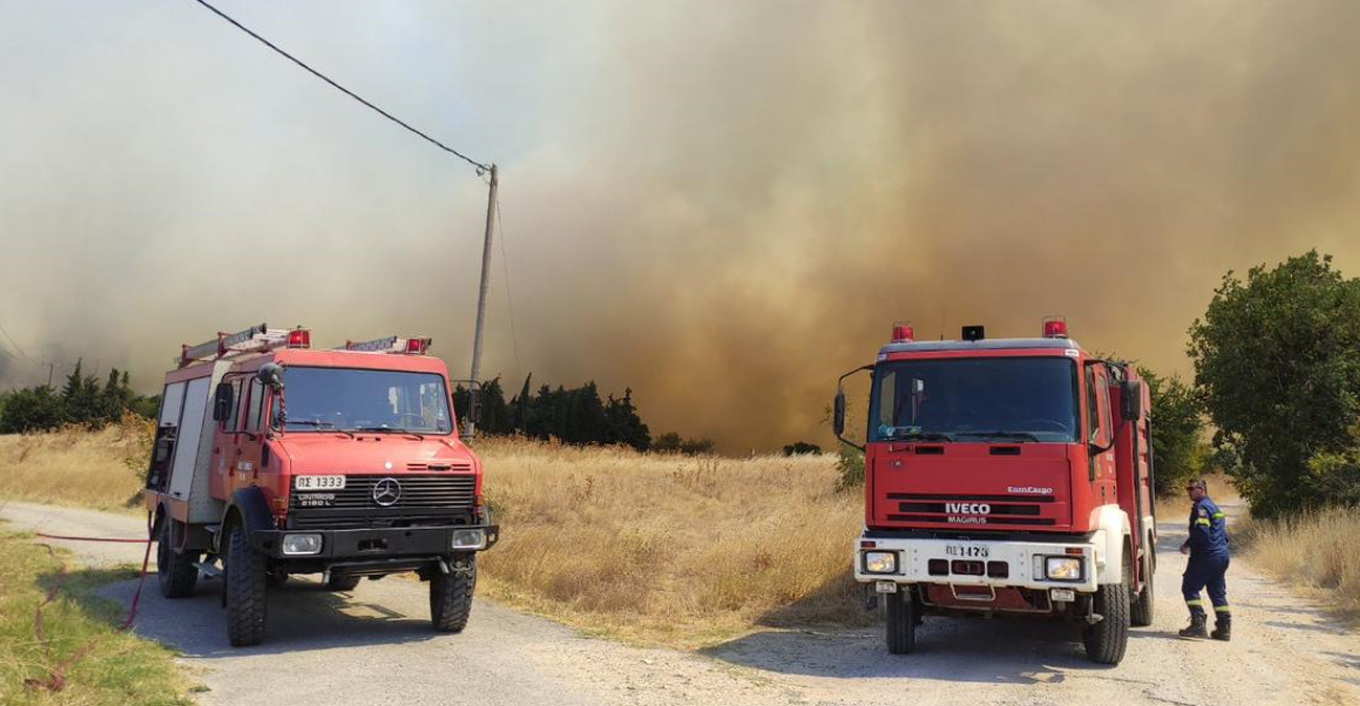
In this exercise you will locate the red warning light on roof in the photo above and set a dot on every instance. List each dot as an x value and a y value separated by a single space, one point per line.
902 333
417 346
1055 327
299 338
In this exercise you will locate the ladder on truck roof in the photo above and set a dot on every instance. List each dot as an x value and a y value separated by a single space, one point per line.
255 339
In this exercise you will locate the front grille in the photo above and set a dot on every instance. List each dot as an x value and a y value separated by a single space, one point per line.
1001 509
424 500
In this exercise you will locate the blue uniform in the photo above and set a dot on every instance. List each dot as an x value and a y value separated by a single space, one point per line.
1208 543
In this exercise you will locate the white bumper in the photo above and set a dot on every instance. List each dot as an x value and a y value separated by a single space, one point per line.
1024 562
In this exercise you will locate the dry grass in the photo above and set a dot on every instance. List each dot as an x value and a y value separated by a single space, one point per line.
101 469
656 549
670 549
1317 552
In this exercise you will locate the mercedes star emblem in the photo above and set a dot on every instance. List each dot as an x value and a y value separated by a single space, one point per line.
387 492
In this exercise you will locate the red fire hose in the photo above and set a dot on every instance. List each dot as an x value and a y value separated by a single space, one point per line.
56 675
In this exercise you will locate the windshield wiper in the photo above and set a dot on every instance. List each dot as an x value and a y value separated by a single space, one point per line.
918 435
1000 433
319 424
392 430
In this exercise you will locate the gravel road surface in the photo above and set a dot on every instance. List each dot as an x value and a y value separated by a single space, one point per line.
374 646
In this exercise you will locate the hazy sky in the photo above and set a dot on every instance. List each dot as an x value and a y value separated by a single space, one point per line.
721 205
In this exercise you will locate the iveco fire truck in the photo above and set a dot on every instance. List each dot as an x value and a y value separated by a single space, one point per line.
272 458
1007 476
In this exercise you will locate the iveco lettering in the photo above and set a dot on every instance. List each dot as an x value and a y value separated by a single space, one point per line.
272 458
1007 477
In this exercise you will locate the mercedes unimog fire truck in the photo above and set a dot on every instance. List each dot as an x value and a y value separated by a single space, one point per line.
1009 476
271 458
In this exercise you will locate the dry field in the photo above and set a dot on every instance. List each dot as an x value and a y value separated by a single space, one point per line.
685 551
660 549
101 469
1317 552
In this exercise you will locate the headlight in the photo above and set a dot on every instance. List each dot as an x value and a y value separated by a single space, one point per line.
464 539
1063 568
880 562
301 544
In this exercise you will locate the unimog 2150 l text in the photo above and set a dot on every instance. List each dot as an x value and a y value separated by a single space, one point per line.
1004 477
272 459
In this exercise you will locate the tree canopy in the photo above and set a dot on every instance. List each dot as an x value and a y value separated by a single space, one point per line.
1277 363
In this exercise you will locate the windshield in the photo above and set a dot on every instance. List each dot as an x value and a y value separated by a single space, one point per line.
975 399
328 399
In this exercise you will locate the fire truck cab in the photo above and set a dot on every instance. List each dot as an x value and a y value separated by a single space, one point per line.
1007 477
272 458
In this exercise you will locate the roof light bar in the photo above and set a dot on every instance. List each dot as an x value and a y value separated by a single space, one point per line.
392 344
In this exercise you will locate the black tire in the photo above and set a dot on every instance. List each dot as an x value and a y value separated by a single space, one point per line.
1142 611
342 583
1106 640
175 571
247 591
451 595
902 621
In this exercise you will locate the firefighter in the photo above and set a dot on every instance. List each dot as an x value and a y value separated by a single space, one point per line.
1207 546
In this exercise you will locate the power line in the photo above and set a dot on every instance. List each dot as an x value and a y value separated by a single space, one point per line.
509 301
481 168
16 346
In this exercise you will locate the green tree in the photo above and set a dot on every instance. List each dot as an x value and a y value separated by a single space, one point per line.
1176 430
81 398
33 409
1277 362
667 443
624 425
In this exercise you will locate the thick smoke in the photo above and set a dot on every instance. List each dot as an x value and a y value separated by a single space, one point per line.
723 207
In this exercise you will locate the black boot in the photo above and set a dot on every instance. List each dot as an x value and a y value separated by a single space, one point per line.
1222 627
1198 622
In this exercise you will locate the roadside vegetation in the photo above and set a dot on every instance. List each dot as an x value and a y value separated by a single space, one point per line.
1315 551
671 549
1277 367
120 669
99 469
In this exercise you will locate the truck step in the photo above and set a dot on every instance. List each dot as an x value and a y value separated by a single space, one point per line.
210 569
214 529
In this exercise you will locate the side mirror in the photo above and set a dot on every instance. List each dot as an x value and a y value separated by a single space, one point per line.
1131 399
271 374
222 402
838 413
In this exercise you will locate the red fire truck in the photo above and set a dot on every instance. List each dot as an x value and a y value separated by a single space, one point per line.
272 459
1008 476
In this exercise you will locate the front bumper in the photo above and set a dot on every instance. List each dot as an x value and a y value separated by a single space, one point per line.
375 544
1023 562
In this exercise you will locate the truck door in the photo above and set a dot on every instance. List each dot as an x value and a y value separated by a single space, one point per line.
1100 433
250 439
228 465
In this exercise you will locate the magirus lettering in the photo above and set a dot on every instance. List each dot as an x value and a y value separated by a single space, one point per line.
968 508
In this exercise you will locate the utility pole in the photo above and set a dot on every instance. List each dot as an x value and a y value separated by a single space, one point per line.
469 426
50 366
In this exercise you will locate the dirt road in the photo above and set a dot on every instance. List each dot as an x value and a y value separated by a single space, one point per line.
374 646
